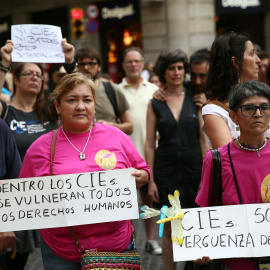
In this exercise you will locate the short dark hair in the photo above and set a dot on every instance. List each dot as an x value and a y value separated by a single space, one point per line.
200 56
43 106
222 74
17 73
262 55
131 49
87 52
244 90
167 58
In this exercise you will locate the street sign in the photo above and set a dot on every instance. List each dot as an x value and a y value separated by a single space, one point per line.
92 26
92 11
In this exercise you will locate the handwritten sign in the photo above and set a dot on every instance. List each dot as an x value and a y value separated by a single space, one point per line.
224 232
67 200
37 43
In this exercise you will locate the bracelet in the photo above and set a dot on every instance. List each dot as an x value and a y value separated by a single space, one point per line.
70 67
5 69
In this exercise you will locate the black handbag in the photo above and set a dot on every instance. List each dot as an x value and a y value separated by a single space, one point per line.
217 201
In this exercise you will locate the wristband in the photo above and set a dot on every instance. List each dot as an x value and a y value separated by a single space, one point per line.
70 68
5 69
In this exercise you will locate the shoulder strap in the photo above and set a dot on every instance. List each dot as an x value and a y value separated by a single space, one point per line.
77 241
53 150
234 175
5 110
216 179
218 103
53 143
111 95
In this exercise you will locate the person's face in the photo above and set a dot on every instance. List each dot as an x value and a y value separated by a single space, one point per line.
250 65
150 66
198 76
27 83
253 125
155 80
175 74
262 69
133 65
89 67
77 109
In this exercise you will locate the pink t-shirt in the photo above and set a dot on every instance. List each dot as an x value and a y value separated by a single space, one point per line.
108 148
252 173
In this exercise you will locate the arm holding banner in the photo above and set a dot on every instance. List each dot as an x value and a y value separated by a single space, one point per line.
141 177
5 65
69 51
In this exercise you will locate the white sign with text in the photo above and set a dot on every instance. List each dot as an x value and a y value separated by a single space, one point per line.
67 200
37 43
224 232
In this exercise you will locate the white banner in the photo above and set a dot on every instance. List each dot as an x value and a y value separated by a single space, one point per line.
67 200
37 43
224 232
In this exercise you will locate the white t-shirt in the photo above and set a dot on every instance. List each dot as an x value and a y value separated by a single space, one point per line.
138 101
219 111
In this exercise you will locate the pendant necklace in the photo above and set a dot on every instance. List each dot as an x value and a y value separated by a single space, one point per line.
81 154
174 95
250 148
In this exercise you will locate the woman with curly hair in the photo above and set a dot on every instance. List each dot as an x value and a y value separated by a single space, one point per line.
233 60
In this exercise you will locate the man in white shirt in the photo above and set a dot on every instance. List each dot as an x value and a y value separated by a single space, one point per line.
138 92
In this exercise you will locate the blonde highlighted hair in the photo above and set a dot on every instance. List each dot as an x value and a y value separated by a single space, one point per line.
70 81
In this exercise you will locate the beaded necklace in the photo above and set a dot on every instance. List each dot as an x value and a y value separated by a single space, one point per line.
250 148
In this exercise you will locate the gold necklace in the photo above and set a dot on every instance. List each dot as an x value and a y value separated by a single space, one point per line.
174 95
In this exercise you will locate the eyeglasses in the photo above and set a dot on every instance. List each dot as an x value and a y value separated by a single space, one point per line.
91 64
130 62
30 75
249 109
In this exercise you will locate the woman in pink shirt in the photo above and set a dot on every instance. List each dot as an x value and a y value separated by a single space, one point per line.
79 142
249 104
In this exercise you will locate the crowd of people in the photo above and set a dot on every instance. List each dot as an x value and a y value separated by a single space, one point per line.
163 123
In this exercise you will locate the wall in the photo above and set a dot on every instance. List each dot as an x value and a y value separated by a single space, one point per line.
170 24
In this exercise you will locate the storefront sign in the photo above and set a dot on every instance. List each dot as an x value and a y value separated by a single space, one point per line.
5 24
4 27
117 12
240 6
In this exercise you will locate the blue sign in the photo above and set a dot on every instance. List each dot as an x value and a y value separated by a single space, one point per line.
92 26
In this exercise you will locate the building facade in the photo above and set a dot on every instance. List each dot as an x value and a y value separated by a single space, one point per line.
153 25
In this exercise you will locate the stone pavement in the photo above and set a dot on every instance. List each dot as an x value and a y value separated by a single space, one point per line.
149 262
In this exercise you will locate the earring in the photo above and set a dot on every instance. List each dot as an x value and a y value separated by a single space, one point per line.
59 121
94 120
237 128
